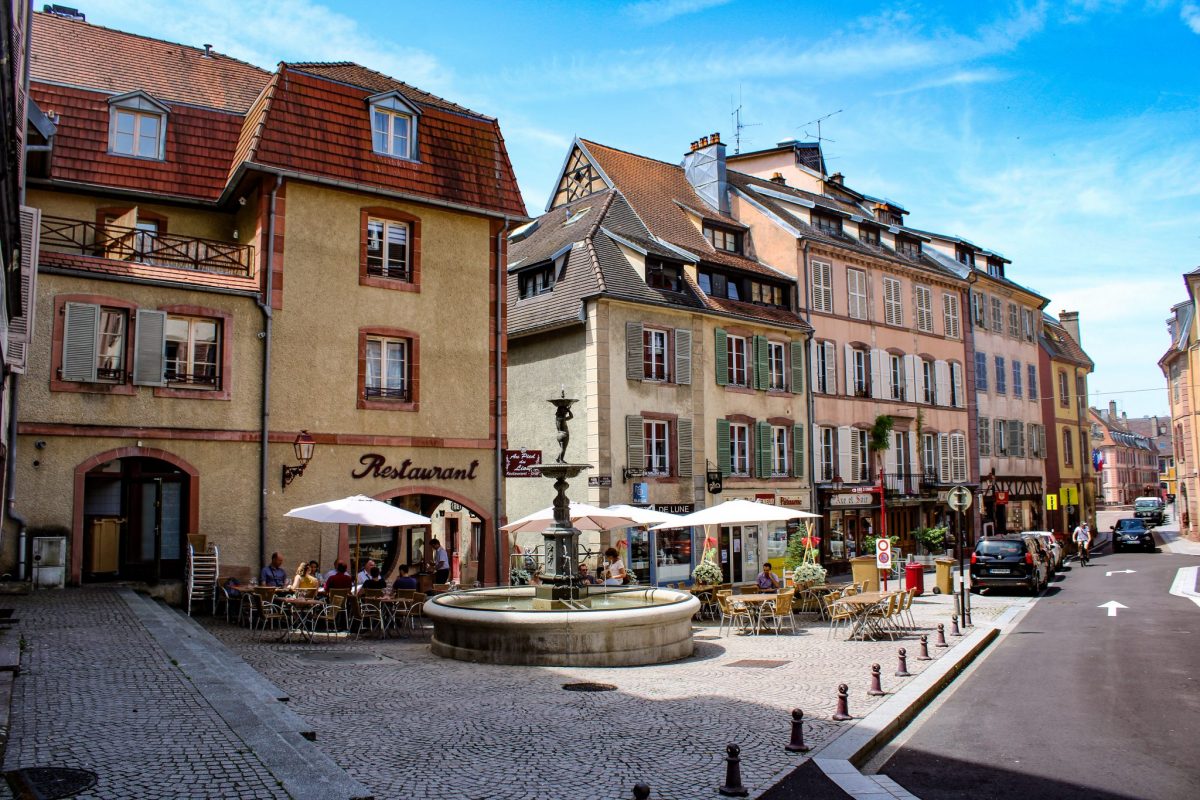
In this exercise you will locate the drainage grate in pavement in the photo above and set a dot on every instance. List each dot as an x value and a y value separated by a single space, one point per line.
589 687
758 663
50 783
342 658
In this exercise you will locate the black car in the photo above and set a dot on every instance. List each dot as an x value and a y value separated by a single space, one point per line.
1132 532
1013 560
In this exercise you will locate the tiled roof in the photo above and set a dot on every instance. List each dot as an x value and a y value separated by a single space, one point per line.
1060 345
80 54
552 232
377 83
129 269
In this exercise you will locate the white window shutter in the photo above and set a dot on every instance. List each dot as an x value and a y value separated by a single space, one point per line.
149 350
914 455
635 369
877 373
81 330
912 369
890 458
818 453
683 356
943 458
20 327
830 368
684 469
813 363
848 352
941 372
635 443
843 451
956 375
855 458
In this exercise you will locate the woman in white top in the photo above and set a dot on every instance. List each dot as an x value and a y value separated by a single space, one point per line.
614 573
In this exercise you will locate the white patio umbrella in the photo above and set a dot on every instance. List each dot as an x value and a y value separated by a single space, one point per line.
737 512
644 516
583 516
358 510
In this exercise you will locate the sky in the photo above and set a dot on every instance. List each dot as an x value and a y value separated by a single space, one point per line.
1062 135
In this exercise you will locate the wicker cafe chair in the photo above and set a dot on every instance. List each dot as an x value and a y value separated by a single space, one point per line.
369 612
839 613
733 610
778 612
328 615
414 616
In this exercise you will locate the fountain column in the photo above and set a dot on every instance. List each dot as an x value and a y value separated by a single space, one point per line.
560 588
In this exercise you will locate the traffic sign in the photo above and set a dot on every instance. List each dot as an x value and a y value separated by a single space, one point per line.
959 498
1052 502
883 553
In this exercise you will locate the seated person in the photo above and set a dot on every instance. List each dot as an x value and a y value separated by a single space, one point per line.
615 572
585 576
374 580
304 579
767 582
234 588
365 573
340 579
272 574
404 580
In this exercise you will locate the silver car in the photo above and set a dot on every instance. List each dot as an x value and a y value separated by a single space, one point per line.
1053 547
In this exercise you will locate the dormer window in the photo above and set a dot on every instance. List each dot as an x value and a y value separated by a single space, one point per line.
966 256
663 275
827 223
995 268
533 282
868 235
908 247
137 125
723 239
393 126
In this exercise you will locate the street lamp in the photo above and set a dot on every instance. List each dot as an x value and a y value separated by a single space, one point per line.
304 446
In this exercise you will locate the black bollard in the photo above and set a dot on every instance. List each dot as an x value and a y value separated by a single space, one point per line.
843 706
797 745
924 654
941 637
733 773
641 791
876 688
967 621
902 670
954 631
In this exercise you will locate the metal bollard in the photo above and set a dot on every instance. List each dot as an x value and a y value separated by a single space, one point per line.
924 654
954 631
843 706
967 621
902 670
876 688
641 791
797 745
941 637
733 773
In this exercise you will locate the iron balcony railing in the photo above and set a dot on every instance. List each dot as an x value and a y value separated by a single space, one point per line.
911 484
120 243
388 393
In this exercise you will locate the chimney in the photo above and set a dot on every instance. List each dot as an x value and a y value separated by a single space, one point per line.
208 51
704 167
837 178
1070 321
778 178
1112 410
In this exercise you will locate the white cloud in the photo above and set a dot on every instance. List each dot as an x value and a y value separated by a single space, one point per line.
962 77
654 12
1190 14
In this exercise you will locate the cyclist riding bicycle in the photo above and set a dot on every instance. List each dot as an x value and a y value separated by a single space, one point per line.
1083 541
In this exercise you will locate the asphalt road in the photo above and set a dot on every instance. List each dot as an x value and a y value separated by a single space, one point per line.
1073 703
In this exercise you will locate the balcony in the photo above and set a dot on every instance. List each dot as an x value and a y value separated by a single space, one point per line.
911 484
119 243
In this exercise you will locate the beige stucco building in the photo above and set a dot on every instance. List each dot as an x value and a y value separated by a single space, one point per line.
1179 365
1070 489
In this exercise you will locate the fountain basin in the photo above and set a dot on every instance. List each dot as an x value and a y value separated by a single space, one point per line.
621 628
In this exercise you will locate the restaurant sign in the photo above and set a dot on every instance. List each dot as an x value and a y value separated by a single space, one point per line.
674 508
376 466
850 499
601 481
522 463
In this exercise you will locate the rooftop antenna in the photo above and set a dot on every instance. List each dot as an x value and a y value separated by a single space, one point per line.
738 124
818 122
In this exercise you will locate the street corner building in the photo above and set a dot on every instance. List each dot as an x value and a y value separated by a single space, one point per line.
257 290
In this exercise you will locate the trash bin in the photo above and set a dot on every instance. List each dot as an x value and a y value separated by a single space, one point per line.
914 577
863 570
945 575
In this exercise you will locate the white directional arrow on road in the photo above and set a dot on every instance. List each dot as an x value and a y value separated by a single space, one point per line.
1118 572
1112 606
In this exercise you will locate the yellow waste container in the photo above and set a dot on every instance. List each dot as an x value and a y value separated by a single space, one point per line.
863 569
945 575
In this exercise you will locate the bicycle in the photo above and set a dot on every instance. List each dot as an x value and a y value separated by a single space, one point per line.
1082 552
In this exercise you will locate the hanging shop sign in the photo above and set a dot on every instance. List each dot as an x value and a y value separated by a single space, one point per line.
521 463
850 499
713 477
601 481
375 465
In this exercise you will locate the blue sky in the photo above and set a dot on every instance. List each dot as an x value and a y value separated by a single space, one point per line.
1063 135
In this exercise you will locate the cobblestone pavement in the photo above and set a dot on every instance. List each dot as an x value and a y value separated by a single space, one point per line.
96 692
406 723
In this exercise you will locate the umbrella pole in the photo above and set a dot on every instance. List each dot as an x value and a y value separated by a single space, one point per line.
357 552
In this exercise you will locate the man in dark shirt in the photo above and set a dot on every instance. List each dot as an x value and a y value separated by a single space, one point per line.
404 580
374 581
272 574
340 579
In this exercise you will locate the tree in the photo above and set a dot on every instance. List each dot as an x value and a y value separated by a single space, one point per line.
880 438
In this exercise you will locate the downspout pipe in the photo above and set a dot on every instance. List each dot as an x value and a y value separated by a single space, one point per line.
498 477
265 432
812 390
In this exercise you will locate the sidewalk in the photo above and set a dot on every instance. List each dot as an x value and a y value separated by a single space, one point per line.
1171 541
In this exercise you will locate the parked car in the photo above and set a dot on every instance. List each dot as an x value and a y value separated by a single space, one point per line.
1011 560
1053 547
1132 532
1150 510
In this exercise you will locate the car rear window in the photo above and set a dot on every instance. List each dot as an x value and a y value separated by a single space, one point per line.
1001 549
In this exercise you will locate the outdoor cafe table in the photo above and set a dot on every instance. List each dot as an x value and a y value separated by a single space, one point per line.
300 616
756 601
860 605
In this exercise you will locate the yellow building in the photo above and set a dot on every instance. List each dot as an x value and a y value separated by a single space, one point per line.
1070 489
1179 365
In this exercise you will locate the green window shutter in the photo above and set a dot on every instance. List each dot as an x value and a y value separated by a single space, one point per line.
635 443
81 329
764 449
683 356
761 378
721 360
723 457
798 451
635 370
684 427
149 351
797 355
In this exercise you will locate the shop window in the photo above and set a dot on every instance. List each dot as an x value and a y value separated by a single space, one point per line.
673 555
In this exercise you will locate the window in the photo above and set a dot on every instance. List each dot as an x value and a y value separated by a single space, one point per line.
779 451
897 375
928 382
388 369
965 255
997 315
958 457
393 126
929 455
979 304
856 290
1033 382
924 309
825 364
828 453
1017 376
723 239
1002 440
387 249
827 223
981 372
1014 324
533 282
654 354
860 465
662 275
1001 377
192 351
1064 389
950 315
908 247
1027 324
137 126
985 436
716 284
735 348
862 381
110 345
868 234
956 385
739 449
1068 448
995 268
775 367
657 451
767 294
822 287
893 307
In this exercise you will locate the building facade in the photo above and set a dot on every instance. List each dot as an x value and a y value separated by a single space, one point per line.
1127 462
1070 490
1178 366
236 263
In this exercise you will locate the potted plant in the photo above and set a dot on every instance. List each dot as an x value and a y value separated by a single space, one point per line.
707 573
801 558
932 539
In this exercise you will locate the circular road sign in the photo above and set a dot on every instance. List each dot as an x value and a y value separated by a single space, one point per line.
959 498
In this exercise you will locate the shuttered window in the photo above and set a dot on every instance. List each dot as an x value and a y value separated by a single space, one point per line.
827 453
893 306
958 458
736 356
739 449
761 358
81 330
929 457
981 372
654 354
1001 376
20 327
776 371
924 309
985 436
684 449
683 356
1018 379
635 448
797 365
950 315
1033 382
656 438
956 386
762 449
1000 442
944 459
798 451
997 315
856 292
721 357
1014 323
723 455
780 457
822 286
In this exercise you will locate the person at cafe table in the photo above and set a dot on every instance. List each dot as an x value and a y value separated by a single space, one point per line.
375 581
365 573
767 582
340 579
273 574
586 577
305 579
404 580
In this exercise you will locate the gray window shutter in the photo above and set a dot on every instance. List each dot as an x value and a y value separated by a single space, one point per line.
723 460
635 443
760 363
81 328
635 370
798 451
20 327
721 358
684 427
797 358
764 449
683 356
149 352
